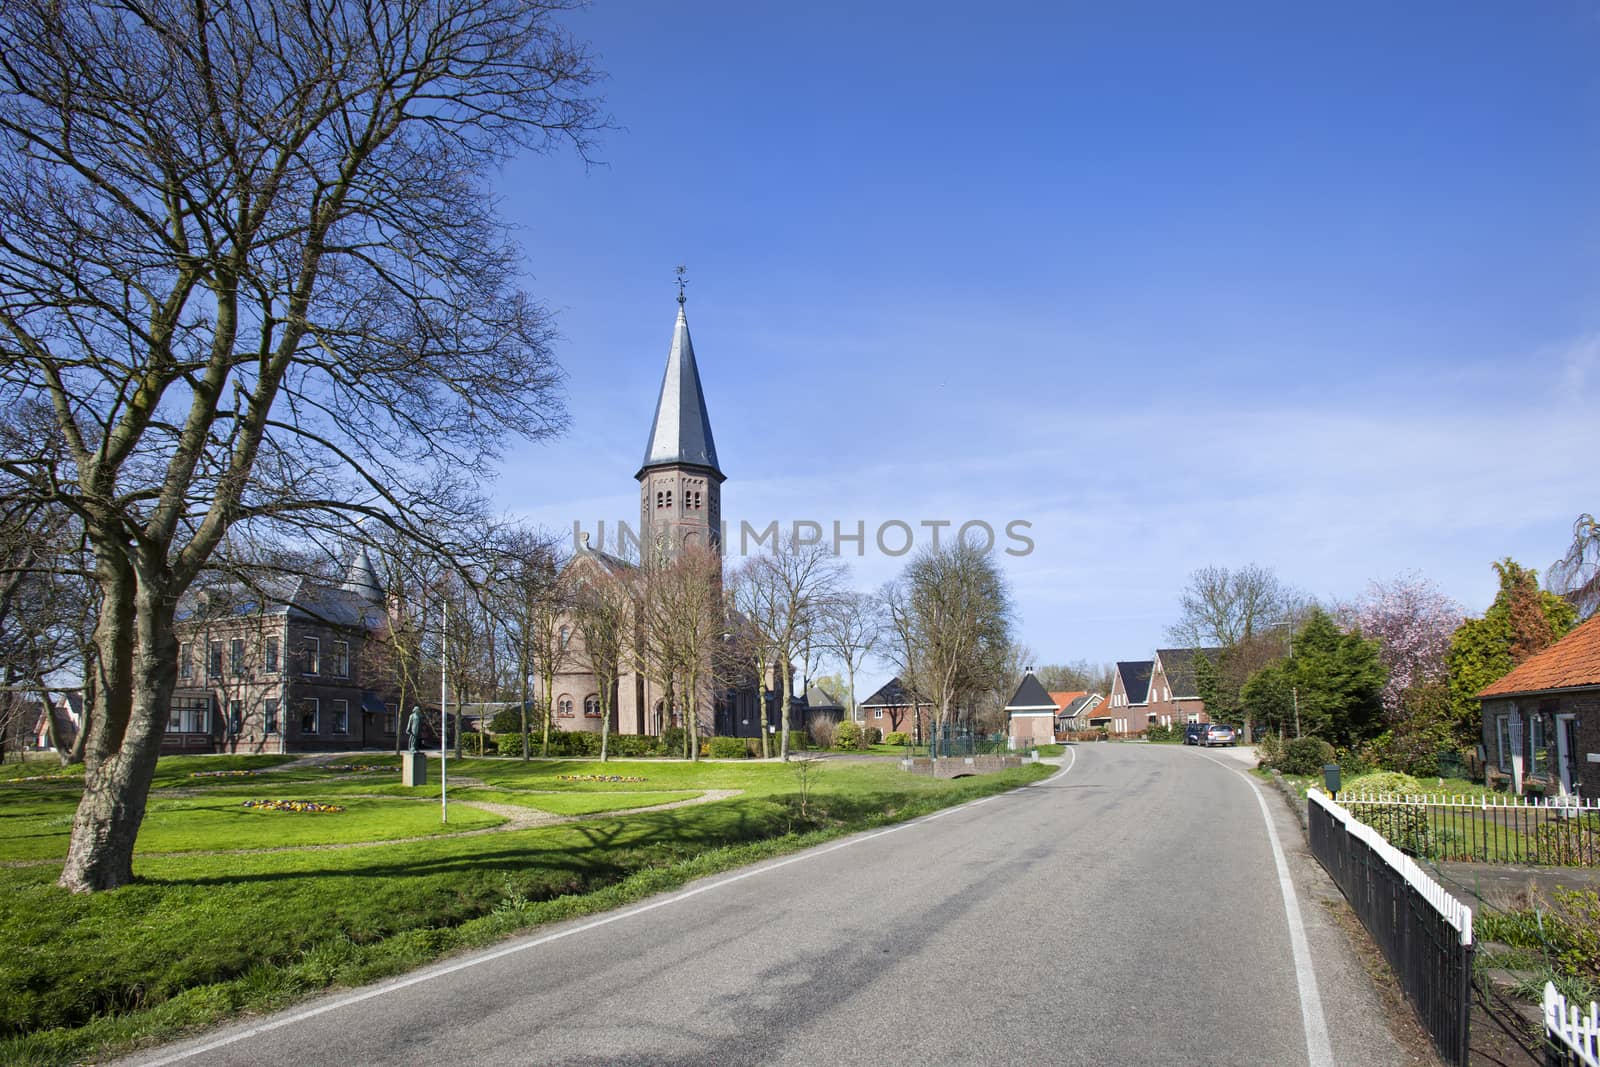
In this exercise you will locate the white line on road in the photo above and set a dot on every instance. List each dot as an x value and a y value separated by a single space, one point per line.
1319 1052
522 946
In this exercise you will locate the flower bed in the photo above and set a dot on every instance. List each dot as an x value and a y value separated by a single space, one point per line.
597 778
358 768
306 806
39 778
223 774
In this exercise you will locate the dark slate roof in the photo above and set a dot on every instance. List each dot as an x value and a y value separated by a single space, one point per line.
818 697
1030 696
893 695
1080 705
1179 666
361 577
1136 679
681 432
298 598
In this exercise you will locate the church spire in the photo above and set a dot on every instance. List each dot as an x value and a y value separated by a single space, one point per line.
681 433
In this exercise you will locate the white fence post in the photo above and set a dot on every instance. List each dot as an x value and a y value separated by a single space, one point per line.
1567 1024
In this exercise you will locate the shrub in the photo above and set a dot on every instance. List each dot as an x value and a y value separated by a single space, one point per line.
727 748
870 735
1305 755
1270 749
672 740
509 720
1165 734
475 744
1405 826
633 745
1383 782
826 733
1352 762
798 741
846 735
897 737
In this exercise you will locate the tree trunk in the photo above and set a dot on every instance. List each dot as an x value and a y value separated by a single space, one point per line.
761 707
522 666
691 717
783 707
138 672
549 679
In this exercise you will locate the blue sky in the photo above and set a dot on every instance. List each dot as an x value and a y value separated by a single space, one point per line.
1310 287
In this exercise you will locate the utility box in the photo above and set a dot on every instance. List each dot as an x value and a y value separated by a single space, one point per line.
1330 778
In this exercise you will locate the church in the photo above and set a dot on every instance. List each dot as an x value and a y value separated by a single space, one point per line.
680 505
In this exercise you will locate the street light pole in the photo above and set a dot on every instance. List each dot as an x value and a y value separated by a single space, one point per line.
444 709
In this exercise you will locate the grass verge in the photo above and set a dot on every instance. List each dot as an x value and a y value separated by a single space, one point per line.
198 938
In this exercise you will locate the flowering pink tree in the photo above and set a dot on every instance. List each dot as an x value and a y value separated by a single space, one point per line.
1412 621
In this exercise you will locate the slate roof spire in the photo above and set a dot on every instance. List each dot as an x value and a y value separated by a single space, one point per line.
681 432
361 577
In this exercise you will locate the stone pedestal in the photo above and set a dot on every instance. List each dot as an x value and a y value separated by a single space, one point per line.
413 769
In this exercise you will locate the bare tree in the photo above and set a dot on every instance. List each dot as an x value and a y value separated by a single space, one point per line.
1576 575
681 624
954 611
603 609
851 627
794 584
247 261
1222 607
752 591
530 599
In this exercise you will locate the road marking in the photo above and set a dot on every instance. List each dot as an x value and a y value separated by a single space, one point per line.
1319 1052
429 974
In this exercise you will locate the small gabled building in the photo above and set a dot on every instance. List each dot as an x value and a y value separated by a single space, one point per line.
1174 693
1031 714
1541 722
896 709
1073 711
1126 710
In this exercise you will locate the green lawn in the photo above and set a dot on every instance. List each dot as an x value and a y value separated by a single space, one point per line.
200 937
37 826
574 803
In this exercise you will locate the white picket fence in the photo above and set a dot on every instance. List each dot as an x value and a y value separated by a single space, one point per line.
1567 1024
1454 911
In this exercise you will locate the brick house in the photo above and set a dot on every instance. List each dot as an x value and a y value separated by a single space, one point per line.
1126 708
896 709
297 668
1174 696
1541 722
1073 709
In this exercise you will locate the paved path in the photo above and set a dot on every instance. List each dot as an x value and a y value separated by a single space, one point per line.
1127 910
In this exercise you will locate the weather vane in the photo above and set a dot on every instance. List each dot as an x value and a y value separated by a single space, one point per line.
683 279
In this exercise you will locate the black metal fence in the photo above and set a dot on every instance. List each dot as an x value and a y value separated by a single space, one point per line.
1423 931
1552 832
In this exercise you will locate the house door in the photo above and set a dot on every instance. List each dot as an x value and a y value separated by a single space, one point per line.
1567 751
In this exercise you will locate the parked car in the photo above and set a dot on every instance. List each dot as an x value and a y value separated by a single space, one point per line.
1219 734
1193 732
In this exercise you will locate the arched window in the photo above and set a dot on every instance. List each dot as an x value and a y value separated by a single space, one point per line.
669 498
566 635
660 499
591 706
564 707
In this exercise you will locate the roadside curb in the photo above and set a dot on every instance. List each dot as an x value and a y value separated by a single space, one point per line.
1292 798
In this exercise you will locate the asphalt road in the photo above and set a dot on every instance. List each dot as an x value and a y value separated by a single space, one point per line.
1127 910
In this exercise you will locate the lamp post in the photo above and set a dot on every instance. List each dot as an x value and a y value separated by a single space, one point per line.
444 709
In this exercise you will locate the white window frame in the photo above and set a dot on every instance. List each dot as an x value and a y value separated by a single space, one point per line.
270 654
236 657
313 705
185 660
340 710
1502 742
271 716
311 656
341 659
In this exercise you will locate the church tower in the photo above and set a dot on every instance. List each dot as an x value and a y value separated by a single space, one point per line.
680 483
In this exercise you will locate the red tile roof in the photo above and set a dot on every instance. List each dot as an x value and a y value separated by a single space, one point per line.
1063 699
1571 662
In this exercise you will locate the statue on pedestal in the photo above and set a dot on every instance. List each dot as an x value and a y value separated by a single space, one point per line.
414 729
